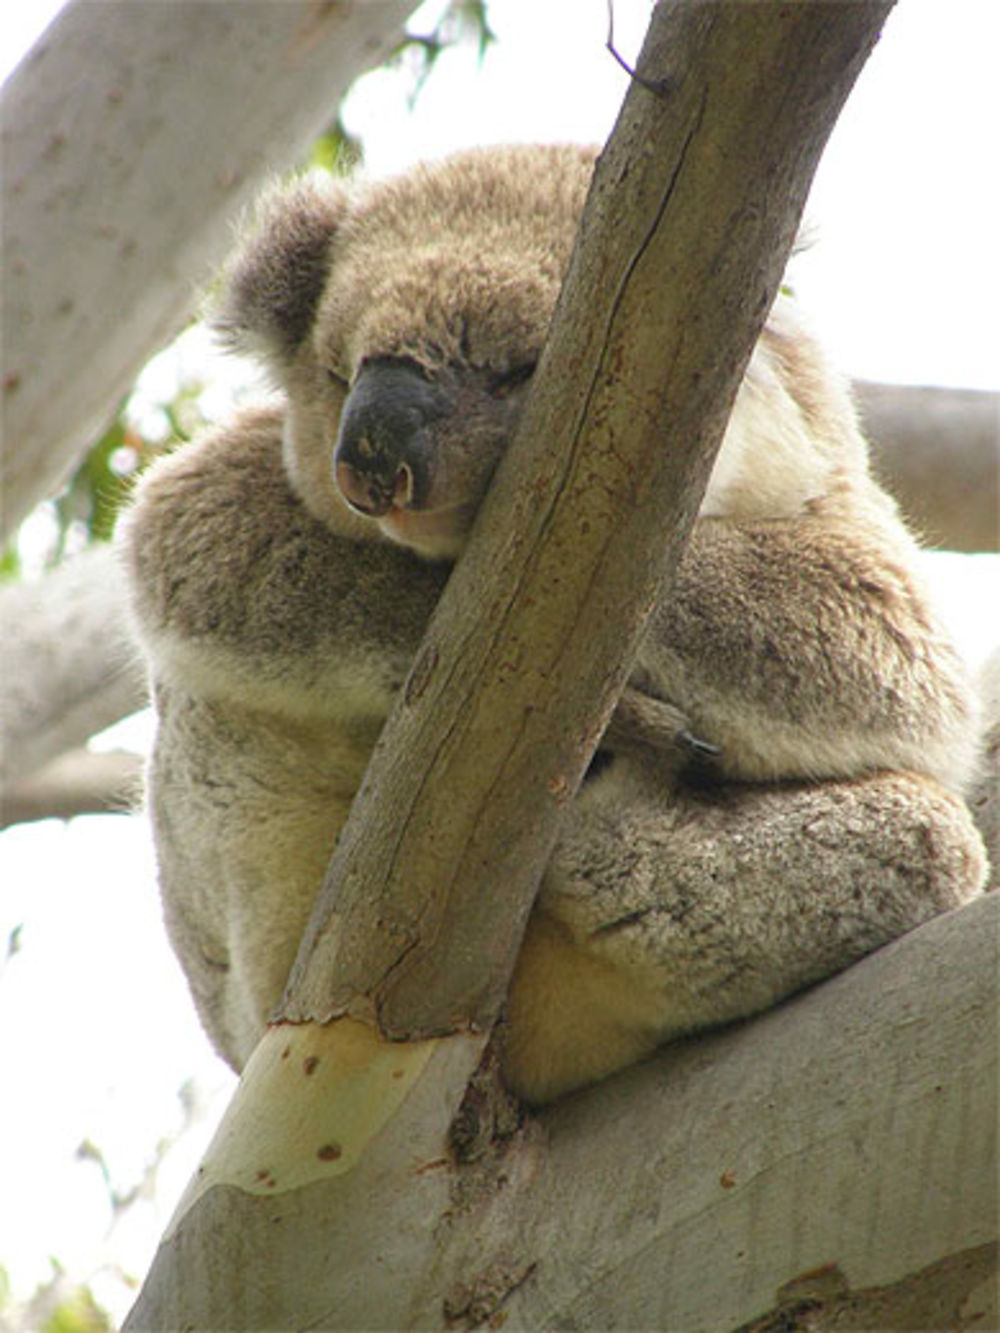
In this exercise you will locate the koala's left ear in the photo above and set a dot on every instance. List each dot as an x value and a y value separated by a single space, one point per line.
272 286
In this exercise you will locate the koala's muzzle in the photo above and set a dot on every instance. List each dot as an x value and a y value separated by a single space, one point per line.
382 458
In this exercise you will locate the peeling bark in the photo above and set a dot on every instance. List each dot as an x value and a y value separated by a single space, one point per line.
957 1292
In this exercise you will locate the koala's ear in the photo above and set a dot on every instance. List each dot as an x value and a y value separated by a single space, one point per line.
272 286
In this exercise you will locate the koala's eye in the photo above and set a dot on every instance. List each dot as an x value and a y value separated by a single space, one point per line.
503 385
340 381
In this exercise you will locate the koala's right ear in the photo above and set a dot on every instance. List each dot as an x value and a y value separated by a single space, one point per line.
272 286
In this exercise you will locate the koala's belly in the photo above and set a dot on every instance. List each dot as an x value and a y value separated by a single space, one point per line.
246 810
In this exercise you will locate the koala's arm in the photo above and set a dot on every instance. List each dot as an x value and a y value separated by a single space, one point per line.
275 647
240 594
805 648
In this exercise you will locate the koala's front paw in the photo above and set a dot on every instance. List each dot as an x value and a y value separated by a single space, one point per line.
642 721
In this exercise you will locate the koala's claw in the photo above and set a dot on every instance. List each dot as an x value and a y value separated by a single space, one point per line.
699 749
642 720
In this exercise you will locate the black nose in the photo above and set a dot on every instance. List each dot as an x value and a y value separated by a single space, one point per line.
383 452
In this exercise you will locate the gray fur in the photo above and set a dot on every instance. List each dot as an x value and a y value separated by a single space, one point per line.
798 643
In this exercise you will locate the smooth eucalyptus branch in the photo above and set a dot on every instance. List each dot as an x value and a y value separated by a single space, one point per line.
133 135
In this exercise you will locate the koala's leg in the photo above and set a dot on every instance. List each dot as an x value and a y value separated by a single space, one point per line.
665 912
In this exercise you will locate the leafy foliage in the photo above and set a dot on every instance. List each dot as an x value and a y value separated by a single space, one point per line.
462 20
98 488
336 150
79 1313
87 509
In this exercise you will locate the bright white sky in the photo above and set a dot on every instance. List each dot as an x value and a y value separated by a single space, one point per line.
96 1034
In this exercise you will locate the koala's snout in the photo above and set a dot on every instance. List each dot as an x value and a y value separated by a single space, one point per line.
382 458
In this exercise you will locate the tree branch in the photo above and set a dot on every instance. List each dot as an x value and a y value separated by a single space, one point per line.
133 134
727 1176
79 782
936 450
70 666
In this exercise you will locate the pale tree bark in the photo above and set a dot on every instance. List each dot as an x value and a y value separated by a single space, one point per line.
828 1166
938 451
132 135
70 668
79 782
329 1197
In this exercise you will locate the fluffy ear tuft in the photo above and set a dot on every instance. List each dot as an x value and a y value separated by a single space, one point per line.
271 288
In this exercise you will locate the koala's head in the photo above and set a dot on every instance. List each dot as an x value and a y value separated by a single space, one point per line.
403 319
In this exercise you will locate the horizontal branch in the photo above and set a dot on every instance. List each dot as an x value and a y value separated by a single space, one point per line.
936 451
834 1147
70 666
853 1127
79 782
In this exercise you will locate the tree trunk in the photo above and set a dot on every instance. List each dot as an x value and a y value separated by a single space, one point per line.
328 1194
132 135
830 1164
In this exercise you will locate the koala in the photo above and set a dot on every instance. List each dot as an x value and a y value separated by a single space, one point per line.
779 791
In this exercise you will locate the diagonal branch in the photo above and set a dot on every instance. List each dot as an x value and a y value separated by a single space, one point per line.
114 107
693 210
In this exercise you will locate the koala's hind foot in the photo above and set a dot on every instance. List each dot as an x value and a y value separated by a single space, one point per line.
661 915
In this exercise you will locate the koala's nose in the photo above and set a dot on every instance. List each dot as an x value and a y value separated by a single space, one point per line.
382 457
